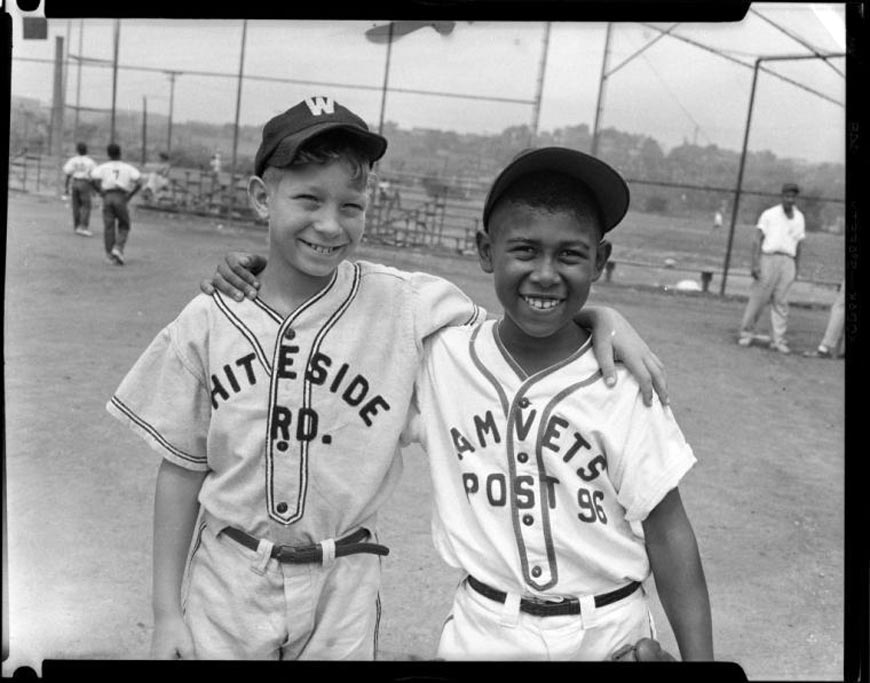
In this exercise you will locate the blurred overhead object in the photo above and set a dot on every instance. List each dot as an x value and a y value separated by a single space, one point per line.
396 29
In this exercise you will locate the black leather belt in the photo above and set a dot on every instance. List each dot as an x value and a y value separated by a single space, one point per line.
348 545
540 607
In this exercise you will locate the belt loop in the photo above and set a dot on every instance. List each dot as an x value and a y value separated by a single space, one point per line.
264 554
587 610
510 611
328 551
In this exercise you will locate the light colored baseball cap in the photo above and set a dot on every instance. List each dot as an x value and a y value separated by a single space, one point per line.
604 182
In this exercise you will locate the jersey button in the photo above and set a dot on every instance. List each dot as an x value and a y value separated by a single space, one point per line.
528 520
282 507
525 403
537 571
522 457
282 446
289 333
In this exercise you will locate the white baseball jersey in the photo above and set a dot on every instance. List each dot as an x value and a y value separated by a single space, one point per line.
116 175
296 420
79 167
781 233
541 482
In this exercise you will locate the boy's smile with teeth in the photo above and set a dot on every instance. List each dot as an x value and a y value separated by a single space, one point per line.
320 248
541 303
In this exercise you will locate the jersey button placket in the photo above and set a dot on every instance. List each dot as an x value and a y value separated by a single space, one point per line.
532 528
285 462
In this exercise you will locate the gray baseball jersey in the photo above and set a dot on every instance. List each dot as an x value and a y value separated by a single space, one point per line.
540 482
296 420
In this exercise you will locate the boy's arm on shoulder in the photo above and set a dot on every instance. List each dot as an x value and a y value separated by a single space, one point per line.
679 577
613 338
438 303
236 277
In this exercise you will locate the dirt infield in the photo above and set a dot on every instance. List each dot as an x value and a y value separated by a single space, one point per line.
766 499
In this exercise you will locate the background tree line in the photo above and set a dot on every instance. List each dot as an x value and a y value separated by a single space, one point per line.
463 164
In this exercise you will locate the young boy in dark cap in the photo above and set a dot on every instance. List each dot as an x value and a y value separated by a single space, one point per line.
557 496
281 415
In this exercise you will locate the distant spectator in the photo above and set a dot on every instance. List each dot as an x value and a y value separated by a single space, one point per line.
117 182
158 178
216 163
78 170
719 217
775 256
833 343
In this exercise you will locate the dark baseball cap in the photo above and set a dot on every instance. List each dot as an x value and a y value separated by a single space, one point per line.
284 134
605 184
790 187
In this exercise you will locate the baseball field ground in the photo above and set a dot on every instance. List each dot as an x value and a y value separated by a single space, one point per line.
766 498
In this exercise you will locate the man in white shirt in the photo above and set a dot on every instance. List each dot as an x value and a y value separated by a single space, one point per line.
117 182
775 255
78 172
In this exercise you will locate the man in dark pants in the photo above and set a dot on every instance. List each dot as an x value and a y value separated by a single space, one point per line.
78 172
117 182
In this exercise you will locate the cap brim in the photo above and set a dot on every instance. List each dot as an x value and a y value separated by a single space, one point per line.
374 145
608 187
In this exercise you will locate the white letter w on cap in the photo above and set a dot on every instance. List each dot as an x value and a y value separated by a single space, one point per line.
320 105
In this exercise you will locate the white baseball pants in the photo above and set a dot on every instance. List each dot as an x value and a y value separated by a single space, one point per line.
480 628
241 604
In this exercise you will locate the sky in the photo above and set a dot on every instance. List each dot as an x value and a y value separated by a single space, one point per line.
492 70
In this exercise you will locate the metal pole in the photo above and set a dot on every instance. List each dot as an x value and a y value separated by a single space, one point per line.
386 79
78 83
144 129
536 110
55 132
736 208
115 77
600 106
172 75
236 125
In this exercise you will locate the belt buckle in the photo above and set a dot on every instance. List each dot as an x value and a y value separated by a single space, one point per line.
287 553
537 600
298 555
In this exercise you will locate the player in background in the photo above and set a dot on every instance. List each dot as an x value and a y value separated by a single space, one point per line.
833 344
775 258
556 495
117 182
78 173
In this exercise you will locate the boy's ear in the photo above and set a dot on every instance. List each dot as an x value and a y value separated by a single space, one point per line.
258 195
601 256
484 250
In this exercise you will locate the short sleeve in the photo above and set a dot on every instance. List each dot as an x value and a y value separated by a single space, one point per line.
412 432
438 304
165 401
95 172
763 222
802 229
68 167
654 458
134 173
